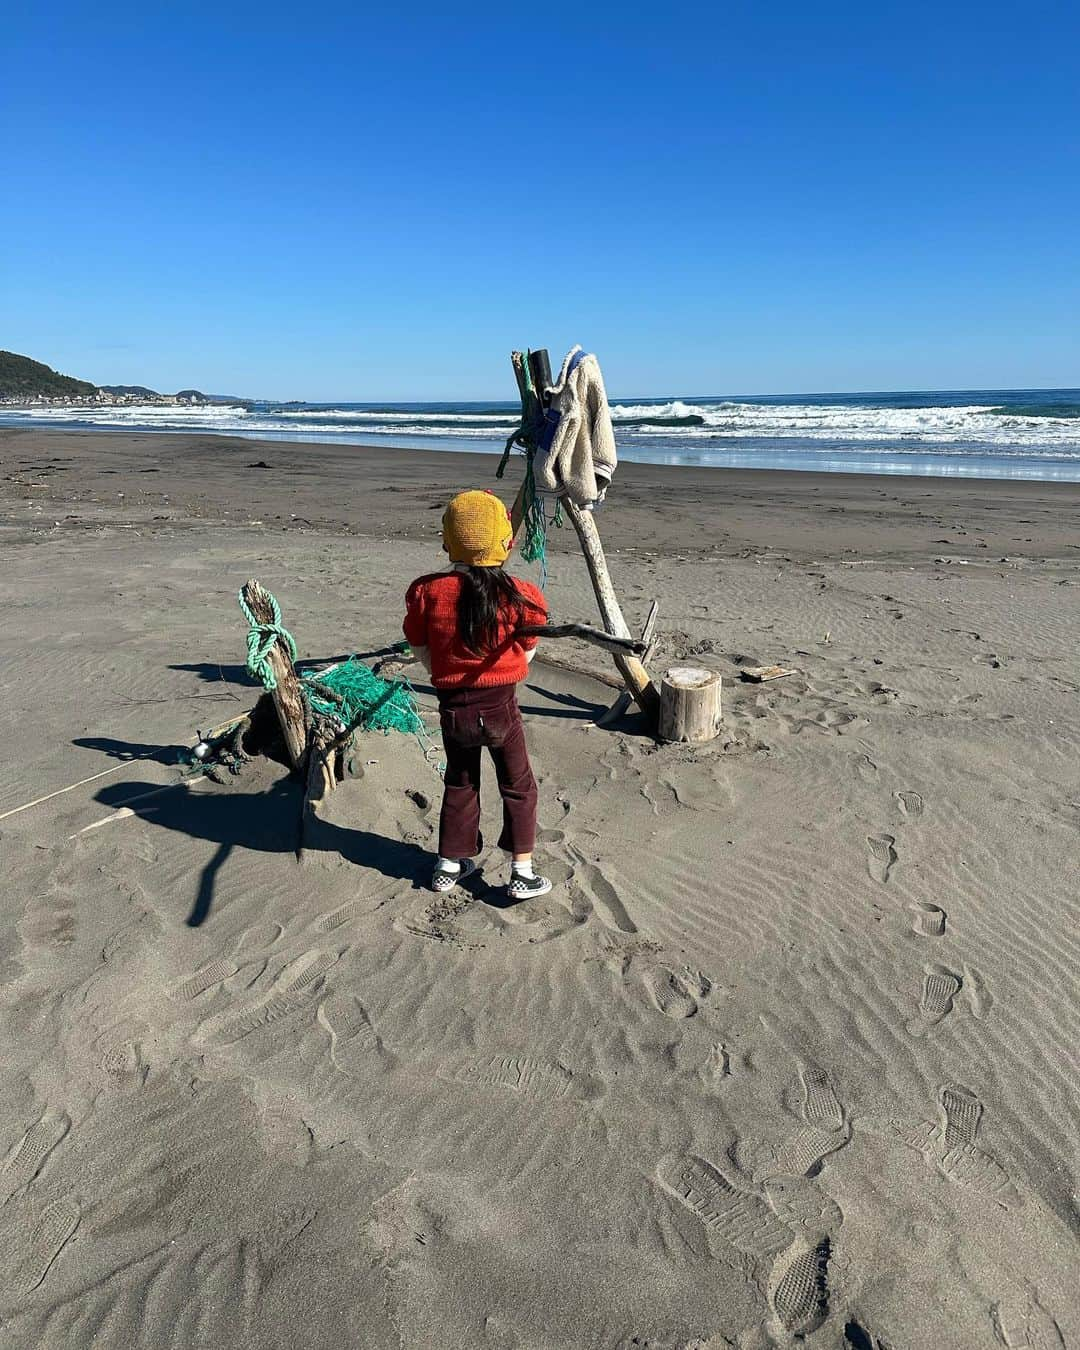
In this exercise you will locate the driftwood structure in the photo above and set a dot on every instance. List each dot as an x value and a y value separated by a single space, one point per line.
690 707
317 743
533 374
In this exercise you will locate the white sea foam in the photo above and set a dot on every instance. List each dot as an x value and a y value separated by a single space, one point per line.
969 429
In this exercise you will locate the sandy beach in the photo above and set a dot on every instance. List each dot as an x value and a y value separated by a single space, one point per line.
787 1056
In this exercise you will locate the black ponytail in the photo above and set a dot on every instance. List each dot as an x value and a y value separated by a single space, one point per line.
489 608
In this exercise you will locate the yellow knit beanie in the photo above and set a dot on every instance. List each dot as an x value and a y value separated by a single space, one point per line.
477 530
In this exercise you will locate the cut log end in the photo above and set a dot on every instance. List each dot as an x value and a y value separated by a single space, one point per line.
690 705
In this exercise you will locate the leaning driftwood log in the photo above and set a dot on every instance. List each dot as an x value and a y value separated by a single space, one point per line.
286 695
633 672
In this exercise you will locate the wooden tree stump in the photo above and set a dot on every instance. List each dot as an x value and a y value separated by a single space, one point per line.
287 698
690 705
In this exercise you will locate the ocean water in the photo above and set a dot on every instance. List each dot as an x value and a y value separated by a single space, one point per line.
1032 434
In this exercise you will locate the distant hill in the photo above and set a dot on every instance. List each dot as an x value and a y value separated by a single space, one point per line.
132 390
22 378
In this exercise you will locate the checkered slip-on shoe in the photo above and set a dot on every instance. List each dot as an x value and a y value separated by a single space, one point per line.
443 881
521 888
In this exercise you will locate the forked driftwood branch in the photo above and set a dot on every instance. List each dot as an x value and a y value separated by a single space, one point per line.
596 636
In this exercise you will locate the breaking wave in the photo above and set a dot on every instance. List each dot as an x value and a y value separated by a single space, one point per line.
889 429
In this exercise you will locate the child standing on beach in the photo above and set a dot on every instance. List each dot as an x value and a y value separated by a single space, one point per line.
462 625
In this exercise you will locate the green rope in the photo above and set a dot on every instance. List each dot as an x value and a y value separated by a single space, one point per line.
533 516
354 696
260 641
534 523
350 693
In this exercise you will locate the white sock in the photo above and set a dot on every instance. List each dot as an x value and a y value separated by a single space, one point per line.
522 869
447 865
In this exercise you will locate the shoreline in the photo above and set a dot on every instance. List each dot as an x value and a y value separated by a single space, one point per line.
133 477
899 438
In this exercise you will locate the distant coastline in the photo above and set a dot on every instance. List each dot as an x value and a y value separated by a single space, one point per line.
29 384
107 397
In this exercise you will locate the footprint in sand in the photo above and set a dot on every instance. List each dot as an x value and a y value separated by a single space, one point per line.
804 1207
866 769
821 1106
52 1232
606 900
351 909
669 994
928 920
882 856
353 1039
214 973
1021 1320
260 937
26 1161
755 1158
292 991
965 1165
741 1218
716 1064
825 1131
799 1288
539 1080
123 1066
980 999
910 803
940 987
804 1152
962 1111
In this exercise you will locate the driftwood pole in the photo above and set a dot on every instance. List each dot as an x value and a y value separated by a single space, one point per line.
638 683
286 696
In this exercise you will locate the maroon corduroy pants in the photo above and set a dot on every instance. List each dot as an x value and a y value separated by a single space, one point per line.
473 719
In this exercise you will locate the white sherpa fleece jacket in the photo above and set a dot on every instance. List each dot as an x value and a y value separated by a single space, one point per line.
582 456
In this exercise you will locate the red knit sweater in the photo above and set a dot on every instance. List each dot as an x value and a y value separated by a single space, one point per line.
431 621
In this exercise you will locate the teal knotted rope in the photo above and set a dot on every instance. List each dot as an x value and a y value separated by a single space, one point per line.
260 641
534 522
350 692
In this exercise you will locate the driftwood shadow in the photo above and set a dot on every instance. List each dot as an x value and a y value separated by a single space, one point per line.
131 750
565 705
216 672
262 822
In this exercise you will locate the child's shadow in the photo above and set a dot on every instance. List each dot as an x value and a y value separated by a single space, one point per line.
264 822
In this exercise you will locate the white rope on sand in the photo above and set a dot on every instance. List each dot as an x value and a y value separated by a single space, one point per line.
126 810
71 787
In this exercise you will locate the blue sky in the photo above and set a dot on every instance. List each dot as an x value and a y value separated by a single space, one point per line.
339 202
